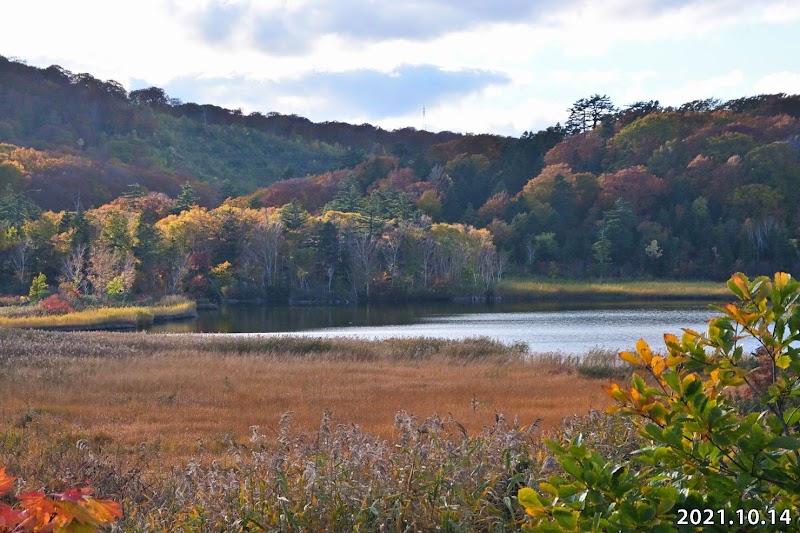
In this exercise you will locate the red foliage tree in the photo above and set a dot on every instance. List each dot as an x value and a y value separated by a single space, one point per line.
634 185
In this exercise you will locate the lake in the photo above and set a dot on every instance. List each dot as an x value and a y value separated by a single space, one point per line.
566 327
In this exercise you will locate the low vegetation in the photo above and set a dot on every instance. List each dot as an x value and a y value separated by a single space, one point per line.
630 289
708 458
192 431
39 316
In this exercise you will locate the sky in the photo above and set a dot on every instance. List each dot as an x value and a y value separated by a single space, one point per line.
474 66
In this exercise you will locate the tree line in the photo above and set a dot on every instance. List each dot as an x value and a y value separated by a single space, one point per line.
695 191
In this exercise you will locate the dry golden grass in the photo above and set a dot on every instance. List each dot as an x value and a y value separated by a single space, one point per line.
191 394
662 289
104 317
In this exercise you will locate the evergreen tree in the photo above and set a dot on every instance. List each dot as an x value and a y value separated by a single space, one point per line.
293 216
186 199
587 113
16 208
349 198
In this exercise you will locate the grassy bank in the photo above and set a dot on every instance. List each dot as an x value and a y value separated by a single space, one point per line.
103 317
554 289
241 433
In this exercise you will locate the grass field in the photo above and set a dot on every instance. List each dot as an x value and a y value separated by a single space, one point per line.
195 393
226 433
546 288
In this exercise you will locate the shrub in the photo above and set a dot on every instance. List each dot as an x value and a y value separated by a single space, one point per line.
10 301
69 292
54 305
704 456
71 510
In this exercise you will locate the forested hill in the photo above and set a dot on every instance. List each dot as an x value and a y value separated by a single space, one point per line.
116 137
275 204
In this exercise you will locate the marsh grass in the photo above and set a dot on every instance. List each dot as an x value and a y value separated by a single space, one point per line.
103 317
546 288
193 432
431 475
597 363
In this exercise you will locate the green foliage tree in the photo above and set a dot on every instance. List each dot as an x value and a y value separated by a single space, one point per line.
708 456
38 288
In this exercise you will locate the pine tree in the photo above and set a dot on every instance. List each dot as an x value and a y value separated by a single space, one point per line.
186 199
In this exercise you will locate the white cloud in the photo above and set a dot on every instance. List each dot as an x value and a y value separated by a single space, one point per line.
781 12
553 52
713 87
780 82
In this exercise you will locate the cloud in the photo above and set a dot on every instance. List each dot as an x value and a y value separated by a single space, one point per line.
407 88
363 94
700 89
219 20
293 29
779 82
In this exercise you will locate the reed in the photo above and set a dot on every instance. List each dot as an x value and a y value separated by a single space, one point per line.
547 288
103 317
235 433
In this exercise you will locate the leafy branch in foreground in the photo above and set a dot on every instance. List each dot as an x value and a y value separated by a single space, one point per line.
71 510
705 451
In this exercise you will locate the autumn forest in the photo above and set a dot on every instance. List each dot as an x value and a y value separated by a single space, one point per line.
119 194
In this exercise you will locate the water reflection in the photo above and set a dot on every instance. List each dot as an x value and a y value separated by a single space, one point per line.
568 327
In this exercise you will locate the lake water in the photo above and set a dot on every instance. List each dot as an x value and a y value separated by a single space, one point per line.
566 327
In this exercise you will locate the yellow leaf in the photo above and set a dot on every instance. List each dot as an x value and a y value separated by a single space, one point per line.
631 358
528 497
547 487
644 351
781 280
689 335
658 365
615 392
674 360
783 361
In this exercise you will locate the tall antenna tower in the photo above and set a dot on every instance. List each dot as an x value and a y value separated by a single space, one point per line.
424 126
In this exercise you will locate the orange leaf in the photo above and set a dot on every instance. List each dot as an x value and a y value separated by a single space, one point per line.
105 511
6 481
669 338
741 282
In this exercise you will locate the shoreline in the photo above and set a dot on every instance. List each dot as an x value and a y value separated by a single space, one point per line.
530 289
105 319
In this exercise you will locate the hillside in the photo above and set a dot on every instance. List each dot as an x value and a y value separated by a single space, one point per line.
330 210
146 131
